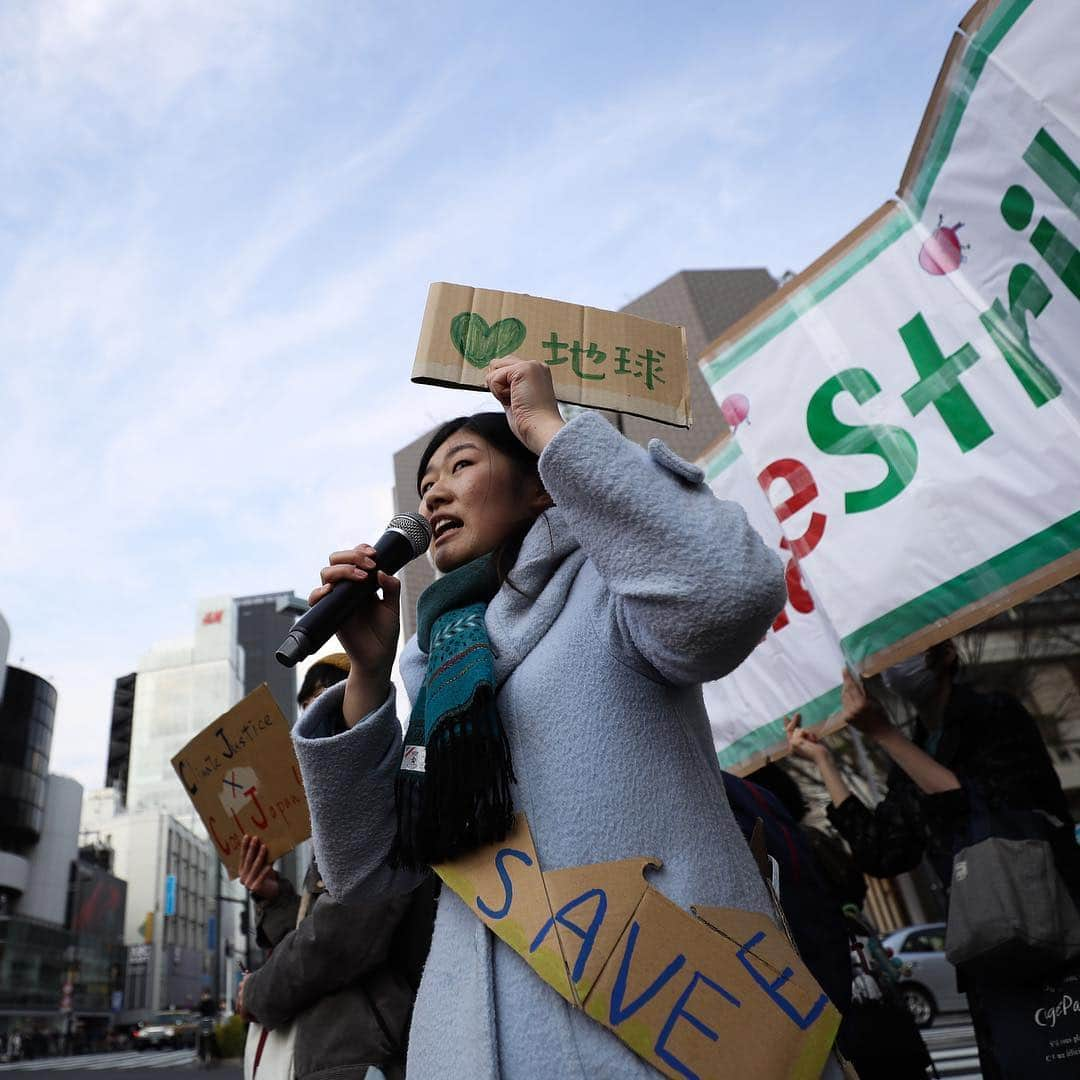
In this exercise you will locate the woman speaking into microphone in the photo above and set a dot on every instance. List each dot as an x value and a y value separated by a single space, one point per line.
589 587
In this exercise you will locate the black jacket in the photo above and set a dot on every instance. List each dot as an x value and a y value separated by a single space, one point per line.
347 975
993 745
812 911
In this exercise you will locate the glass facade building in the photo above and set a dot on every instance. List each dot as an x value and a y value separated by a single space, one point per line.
262 623
116 767
27 711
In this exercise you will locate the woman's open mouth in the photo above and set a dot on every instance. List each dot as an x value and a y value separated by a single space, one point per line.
444 527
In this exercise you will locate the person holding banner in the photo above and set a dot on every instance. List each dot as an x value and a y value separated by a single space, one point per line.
972 754
588 588
988 741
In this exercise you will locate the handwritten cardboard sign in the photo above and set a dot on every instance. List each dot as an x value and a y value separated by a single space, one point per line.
242 776
598 359
681 990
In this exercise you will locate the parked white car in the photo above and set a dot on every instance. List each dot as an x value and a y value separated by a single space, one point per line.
929 980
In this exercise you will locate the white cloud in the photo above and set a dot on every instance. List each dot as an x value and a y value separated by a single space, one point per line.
134 59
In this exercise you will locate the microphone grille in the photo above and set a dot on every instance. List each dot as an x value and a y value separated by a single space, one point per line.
415 529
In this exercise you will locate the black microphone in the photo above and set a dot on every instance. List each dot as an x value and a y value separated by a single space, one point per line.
406 537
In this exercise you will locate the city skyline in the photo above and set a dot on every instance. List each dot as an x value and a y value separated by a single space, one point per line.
221 226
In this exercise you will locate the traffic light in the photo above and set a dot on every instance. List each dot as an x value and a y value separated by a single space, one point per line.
228 950
245 921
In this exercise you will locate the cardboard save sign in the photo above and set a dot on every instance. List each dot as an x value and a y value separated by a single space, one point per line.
242 776
681 990
598 359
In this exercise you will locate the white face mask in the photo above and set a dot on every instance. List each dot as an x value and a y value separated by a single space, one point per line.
912 680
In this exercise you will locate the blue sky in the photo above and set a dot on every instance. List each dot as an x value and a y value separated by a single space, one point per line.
219 222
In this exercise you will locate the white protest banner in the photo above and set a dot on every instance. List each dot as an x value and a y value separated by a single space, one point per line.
797 666
913 397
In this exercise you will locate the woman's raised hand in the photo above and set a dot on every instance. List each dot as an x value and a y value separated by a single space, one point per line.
524 389
257 875
370 634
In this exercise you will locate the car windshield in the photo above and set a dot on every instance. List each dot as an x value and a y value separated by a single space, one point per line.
169 1018
930 940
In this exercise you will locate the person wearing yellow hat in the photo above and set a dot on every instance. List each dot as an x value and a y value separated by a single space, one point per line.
327 671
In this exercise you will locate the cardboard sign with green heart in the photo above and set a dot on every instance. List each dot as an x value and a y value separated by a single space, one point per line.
598 359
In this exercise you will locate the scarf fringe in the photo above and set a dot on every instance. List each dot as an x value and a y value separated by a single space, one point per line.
462 801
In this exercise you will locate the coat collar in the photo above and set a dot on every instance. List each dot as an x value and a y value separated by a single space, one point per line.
522 612
534 593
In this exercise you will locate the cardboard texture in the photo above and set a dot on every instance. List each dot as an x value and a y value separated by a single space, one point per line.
505 888
242 776
682 991
598 359
909 403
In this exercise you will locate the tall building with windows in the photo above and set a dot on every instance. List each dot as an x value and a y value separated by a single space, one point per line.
56 963
262 622
123 710
27 711
171 927
706 302
179 688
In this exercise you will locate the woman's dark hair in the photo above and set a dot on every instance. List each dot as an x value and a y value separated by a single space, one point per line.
774 779
494 429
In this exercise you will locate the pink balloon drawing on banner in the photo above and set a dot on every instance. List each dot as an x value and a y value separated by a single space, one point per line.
736 410
942 253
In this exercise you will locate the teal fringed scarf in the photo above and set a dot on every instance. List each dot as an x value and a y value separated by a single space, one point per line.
453 790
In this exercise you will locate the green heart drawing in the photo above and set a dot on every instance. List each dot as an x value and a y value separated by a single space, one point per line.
480 343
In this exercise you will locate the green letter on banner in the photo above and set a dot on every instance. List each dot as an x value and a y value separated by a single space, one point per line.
1028 295
893 445
939 385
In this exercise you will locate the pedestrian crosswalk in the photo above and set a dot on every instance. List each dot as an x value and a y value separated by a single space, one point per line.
122 1060
953 1051
952 1048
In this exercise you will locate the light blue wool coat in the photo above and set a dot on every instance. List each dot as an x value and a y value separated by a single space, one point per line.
637 587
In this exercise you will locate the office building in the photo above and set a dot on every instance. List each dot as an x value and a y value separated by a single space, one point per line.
179 688
171 925
58 960
262 624
123 710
